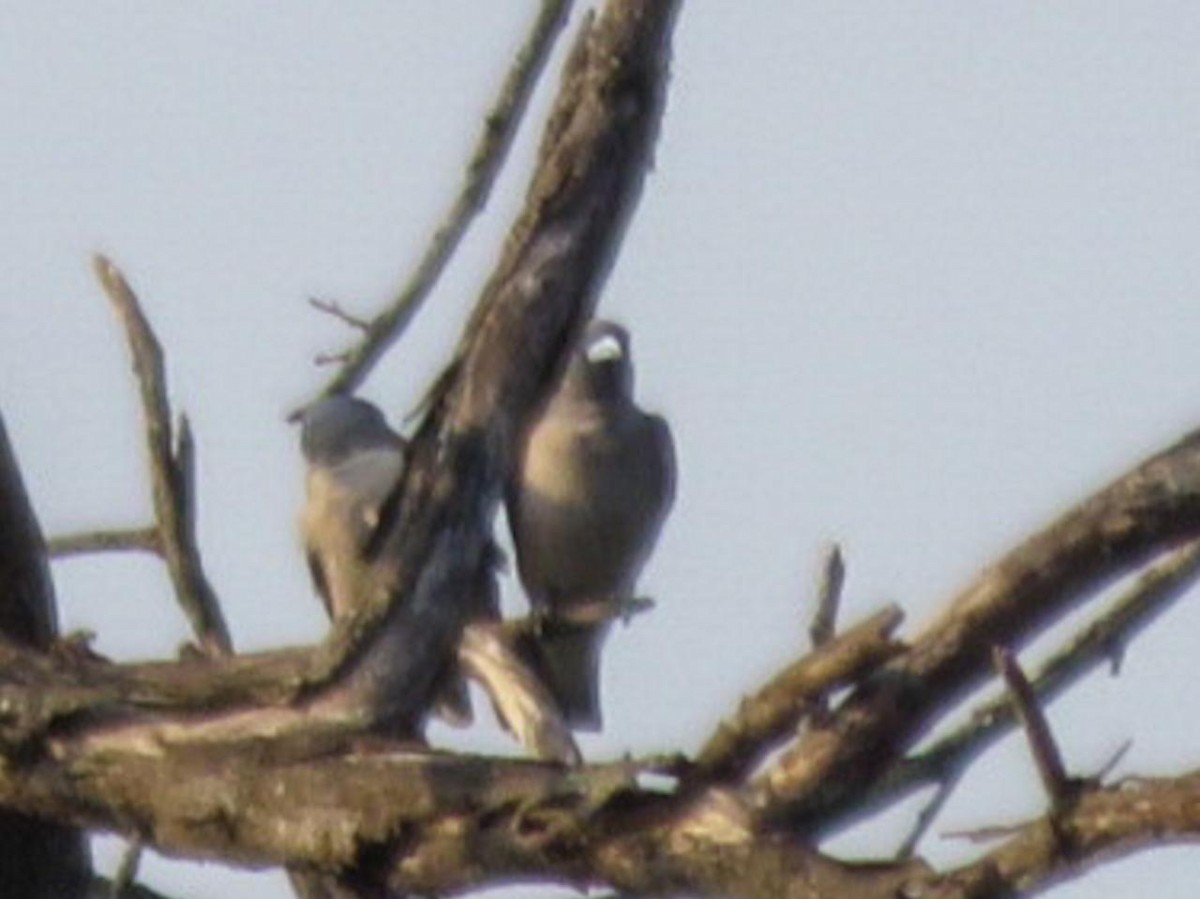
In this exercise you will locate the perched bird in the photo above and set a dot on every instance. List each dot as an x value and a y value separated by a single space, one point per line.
593 483
354 463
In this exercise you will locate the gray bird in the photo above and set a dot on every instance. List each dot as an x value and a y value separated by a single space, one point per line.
355 462
593 483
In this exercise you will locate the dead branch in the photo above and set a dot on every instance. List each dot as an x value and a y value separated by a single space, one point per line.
829 595
1042 746
1154 507
171 477
129 540
1102 825
947 759
487 159
39 859
775 710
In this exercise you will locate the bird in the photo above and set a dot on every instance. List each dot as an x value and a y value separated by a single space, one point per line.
354 462
593 482
354 465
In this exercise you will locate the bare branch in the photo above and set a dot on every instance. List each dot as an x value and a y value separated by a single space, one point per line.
39 859
829 595
1154 507
1104 824
126 872
774 711
132 540
1046 756
522 703
1131 613
927 816
170 474
500 127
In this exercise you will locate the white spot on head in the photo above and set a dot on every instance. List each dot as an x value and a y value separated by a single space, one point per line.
604 349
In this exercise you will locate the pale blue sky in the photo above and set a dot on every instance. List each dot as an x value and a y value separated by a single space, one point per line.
910 275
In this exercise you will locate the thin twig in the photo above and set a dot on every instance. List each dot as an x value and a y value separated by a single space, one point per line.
170 473
130 540
987 834
499 129
1042 745
926 818
829 595
331 307
127 870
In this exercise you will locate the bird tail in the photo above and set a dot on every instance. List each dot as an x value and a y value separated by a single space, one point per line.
567 656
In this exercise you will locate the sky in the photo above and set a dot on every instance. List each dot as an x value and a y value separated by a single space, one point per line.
911 276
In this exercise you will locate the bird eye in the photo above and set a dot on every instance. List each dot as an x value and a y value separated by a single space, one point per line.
604 349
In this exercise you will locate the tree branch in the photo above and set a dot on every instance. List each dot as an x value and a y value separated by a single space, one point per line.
1104 824
171 475
1154 507
38 859
829 595
1042 746
487 159
946 760
776 709
129 540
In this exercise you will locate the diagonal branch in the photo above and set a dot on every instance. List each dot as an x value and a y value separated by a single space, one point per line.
1102 825
1142 604
1042 745
491 150
171 474
773 712
1154 507
39 859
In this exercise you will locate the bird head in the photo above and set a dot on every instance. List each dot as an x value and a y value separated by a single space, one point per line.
601 367
336 427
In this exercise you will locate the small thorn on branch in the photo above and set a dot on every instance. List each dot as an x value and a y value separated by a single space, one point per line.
334 308
1059 786
331 358
1115 759
829 595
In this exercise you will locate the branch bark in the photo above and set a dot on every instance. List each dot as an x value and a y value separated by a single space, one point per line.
38 859
1153 508
487 159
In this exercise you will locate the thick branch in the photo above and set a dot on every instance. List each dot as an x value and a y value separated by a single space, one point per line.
1152 508
1104 824
38 859
1097 644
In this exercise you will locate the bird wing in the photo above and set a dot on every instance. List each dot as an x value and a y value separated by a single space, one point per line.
340 515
